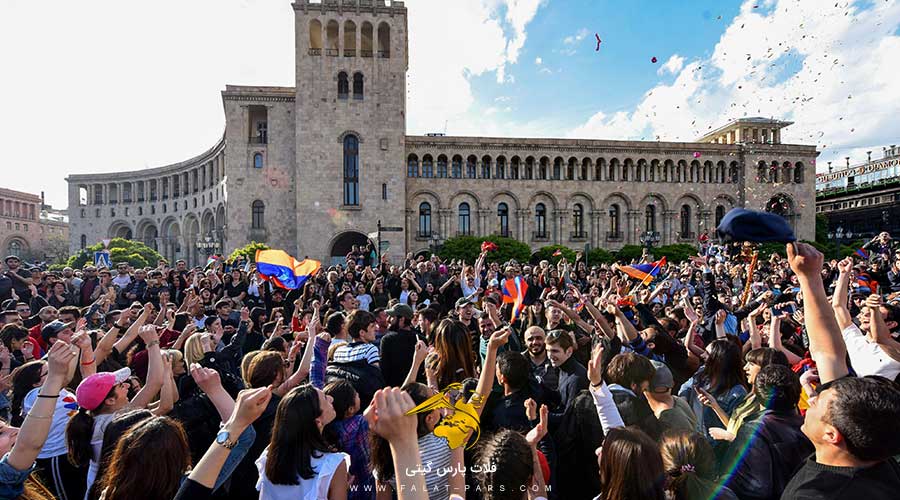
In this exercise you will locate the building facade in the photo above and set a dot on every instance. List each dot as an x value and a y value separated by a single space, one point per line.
861 200
29 228
314 168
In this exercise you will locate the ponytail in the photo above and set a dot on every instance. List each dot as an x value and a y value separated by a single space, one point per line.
79 432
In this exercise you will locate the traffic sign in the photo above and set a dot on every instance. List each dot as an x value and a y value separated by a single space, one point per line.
391 229
102 259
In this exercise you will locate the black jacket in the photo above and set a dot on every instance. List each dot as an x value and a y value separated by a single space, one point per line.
768 449
365 378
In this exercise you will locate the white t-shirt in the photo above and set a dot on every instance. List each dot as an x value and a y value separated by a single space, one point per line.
66 407
100 424
308 489
868 358
364 301
121 280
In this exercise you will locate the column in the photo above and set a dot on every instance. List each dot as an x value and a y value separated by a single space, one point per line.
704 221
596 234
558 225
521 232
668 234
444 215
484 228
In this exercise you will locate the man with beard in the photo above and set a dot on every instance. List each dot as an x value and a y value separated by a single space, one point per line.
399 346
536 352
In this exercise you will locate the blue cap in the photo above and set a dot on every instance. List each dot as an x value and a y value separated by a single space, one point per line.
755 226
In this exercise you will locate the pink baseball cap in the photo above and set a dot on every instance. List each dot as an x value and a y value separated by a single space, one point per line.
93 390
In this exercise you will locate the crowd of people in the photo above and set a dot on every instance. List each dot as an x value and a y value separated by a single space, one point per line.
725 376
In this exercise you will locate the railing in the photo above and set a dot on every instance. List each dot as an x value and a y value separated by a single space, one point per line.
258 140
384 54
314 52
349 52
578 235
611 236
540 235
423 234
332 52
365 53
464 233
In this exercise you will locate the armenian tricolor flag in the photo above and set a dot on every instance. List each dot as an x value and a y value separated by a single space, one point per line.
866 284
862 253
284 270
644 272
514 293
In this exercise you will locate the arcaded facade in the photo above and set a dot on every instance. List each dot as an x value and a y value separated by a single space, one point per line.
313 168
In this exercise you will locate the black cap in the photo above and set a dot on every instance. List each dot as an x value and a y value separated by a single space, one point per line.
741 224
8 257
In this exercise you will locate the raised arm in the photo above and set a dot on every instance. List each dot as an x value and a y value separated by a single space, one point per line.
418 357
626 331
825 342
840 296
122 344
154 369
775 338
486 379
603 399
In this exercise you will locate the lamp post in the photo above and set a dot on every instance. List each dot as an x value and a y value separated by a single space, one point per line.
648 239
838 235
207 244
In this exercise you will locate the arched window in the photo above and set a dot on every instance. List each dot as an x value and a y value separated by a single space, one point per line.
83 241
456 167
332 43
257 160
343 86
349 39
465 219
650 218
258 211
720 213
501 168
557 169
578 221
686 222
366 39
427 167
540 221
471 173
503 216
358 86
798 173
615 227
542 169
733 173
442 167
486 167
412 166
585 166
762 172
15 248
315 38
425 219
514 168
384 40
351 170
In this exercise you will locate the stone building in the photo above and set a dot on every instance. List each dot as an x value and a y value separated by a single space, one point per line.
314 168
28 227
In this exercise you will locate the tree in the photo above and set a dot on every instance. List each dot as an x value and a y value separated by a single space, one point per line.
468 248
676 253
120 250
56 249
546 253
629 253
599 256
248 252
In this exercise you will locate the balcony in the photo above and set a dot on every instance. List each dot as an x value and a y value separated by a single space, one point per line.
365 53
332 52
578 235
343 96
259 139
613 236
349 52
540 236
314 52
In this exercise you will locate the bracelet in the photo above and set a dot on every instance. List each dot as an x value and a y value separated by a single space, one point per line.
152 343
31 415
49 396
89 363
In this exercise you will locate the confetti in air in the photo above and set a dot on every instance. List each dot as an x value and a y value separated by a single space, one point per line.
696 154
598 41
653 60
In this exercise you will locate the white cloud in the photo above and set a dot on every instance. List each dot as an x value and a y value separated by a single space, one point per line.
577 37
538 61
820 67
673 65
545 71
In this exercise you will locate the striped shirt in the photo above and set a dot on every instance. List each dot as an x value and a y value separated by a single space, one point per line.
357 351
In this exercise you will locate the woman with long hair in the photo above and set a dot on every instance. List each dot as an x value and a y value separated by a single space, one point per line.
515 471
236 286
100 396
452 359
720 378
630 466
14 338
690 467
298 462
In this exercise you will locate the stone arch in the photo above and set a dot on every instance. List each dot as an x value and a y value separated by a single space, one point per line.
529 168
16 245
585 173
688 230
191 231
545 195
148 233
384 40
315 35
617 222
349 38
425 195
505 196
787 172
762 172
456 223
799 173
366 40
332 42
500 168
681 171
628 170
707 172
466 195
172 243
342 243
515 167
544 168
668 174
600 170
121 229
641 173
615 170
695 172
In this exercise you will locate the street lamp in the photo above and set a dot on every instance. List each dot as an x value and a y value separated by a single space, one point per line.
838 235
648 239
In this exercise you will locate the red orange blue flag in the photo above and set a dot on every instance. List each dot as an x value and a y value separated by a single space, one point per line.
644 272
514 293
283 270
862 253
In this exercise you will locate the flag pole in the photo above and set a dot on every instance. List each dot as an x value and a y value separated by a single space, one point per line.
636 286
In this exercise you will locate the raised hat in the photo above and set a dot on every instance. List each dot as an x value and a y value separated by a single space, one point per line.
93 390
400 310
740 224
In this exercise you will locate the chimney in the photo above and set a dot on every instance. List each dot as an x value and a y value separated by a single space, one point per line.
829 167
848 161
869 153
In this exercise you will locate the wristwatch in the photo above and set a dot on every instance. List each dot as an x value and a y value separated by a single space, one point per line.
223 439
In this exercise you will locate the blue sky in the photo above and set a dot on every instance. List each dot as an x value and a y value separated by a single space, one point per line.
109 86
